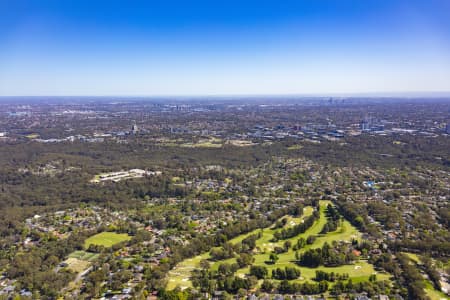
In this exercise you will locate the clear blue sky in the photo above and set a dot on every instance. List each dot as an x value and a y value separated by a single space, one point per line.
78 47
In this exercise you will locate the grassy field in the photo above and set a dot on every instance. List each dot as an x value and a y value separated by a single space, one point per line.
204 143
414 257
106 239
359 271
241 143
77 265
295 147
32 136
83 255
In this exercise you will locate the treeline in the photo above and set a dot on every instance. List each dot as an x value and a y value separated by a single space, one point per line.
228 250
327 256
331 277
286 287
288 273
427 245
223 279
411 278
202 244
293 231
208 281
356 214
333 220
259 272
405 273
236 285
431 271
330 226
371 287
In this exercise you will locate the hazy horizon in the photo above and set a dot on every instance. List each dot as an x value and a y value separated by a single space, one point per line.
368 95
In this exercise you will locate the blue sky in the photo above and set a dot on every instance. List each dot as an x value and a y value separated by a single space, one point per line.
65 47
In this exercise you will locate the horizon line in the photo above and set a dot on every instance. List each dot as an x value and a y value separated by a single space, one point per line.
393 94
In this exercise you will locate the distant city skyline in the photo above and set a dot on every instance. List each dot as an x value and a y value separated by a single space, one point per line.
153 48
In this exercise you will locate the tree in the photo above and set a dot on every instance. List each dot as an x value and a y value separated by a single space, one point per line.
273 258
287 245
310 239
204 264
244 260
267 286
259 272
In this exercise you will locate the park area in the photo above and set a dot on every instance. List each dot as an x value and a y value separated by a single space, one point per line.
106 239
358 271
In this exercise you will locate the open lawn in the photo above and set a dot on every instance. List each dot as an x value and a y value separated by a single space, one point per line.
106 239
360 271
77 265
83 255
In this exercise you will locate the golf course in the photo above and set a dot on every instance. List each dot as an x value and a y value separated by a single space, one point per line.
359 271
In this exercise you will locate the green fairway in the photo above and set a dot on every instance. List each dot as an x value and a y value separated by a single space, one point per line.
360 271
106 239
179 276
414 257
